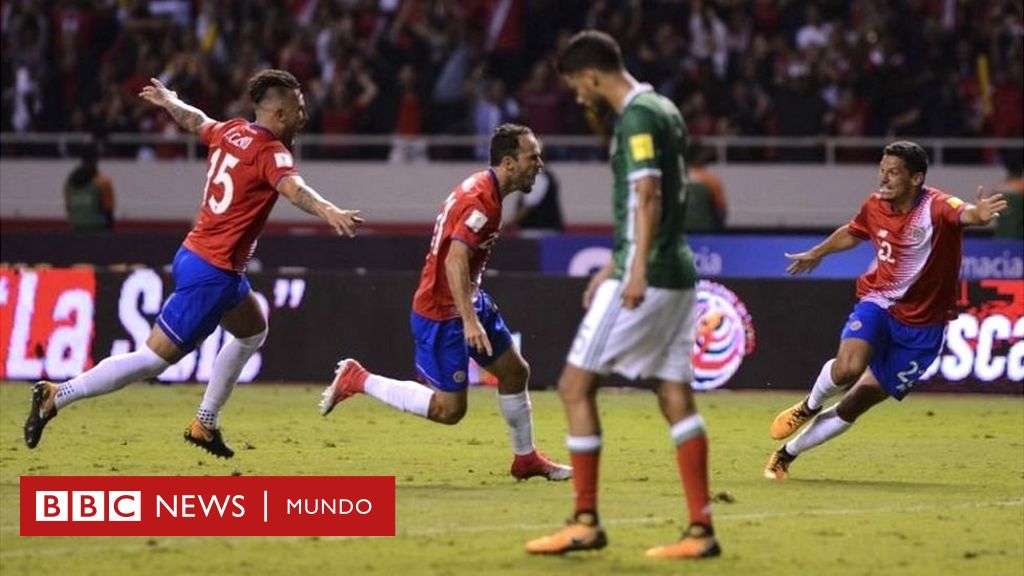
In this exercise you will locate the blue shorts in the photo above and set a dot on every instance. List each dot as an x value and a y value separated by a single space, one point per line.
442 357
902 353
202 294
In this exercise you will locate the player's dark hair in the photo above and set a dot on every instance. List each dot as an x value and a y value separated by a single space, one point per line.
267 80
911 153
505 141
590 49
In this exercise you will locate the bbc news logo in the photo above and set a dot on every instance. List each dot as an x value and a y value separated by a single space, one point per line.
89 506
207 506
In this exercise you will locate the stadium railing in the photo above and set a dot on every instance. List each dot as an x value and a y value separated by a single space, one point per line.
726 149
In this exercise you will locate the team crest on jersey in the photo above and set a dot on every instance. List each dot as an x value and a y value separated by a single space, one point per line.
916 234
476 221
725 335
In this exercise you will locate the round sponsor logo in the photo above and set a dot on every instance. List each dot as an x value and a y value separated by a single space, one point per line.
459 377
725 335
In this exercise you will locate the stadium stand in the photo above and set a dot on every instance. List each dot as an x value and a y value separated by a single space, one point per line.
735 67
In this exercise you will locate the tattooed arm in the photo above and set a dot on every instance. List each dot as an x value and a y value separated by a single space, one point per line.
295 189
187 116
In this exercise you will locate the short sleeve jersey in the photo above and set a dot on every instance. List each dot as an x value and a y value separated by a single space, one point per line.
244 164
472 215
649 140
918 256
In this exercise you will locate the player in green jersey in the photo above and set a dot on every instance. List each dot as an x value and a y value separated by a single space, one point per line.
641 306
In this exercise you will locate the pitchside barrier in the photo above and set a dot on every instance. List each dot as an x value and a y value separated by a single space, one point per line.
717 256
764 334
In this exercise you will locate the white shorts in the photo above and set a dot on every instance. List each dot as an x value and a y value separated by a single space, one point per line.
653 340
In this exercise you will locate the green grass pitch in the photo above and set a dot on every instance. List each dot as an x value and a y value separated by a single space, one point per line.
934 485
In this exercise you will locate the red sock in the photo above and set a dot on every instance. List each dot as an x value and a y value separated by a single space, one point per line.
692 458
584 479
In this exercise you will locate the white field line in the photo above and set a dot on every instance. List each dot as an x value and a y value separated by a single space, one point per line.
167 542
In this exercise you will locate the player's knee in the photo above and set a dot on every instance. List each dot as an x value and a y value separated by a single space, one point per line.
446 413
859 400
256 340
849 409
151 364
570 393
520 374
846 371
512 377
450 416
847 413
676 400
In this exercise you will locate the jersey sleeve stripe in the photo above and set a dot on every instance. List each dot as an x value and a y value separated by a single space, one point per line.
282 177
643 173
857 232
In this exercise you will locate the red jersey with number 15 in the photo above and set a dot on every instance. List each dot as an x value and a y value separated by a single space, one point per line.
918 256
471 215
245 163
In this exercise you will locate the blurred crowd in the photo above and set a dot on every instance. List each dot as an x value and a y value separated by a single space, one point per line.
949 68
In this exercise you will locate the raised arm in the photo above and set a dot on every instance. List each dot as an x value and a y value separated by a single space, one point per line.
305 198
986 210
187 116
840 241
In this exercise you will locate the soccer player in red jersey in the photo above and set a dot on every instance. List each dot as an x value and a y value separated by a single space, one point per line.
897 327
454 320
249 164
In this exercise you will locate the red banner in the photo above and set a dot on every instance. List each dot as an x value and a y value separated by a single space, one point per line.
46 322
207 506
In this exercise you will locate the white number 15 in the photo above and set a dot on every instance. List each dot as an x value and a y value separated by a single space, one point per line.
218 174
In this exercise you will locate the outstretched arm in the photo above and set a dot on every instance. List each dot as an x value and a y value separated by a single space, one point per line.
295 189
187 116
839 241
986 210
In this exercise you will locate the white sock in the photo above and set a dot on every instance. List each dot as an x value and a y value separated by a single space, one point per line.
111 374
519 416
824 427
226 367
583 444
690 427
824 388
405 395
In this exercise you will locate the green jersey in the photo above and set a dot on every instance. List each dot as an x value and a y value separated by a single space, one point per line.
649 140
